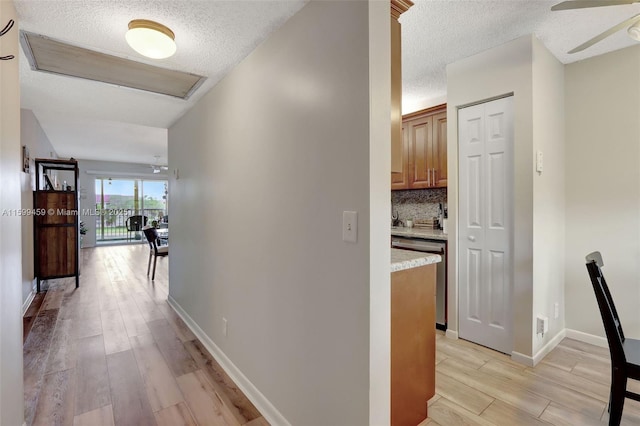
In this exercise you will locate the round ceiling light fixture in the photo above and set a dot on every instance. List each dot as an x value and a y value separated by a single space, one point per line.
151 39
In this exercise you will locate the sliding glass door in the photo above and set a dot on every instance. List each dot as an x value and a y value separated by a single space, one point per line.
118 200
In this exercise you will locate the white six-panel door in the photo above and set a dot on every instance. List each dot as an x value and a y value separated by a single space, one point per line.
485 237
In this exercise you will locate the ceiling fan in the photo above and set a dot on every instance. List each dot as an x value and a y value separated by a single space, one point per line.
157 167
633 22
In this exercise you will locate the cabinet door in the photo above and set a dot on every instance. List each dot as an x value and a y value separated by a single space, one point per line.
440 149
413 344
401 180
421 153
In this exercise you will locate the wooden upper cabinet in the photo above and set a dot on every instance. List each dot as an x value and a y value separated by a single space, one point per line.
397 8
440 148
421 152
425 144
401 180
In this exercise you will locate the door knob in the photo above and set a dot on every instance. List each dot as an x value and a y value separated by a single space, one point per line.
471 238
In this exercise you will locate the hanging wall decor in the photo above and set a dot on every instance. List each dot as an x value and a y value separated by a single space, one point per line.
25 159
5 30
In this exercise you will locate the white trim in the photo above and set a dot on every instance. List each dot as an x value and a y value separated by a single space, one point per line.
566 332
551 344
264 406
451 334
522 359
587 338
27 302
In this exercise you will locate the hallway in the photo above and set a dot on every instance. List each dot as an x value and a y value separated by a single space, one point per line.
114 352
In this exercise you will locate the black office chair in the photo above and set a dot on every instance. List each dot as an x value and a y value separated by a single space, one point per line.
155 251
625 353
135 224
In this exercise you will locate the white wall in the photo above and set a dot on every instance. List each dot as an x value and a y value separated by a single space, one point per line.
603 185
413 105
495 72
11 388
89 171
33 137
380 212
548 192
268 161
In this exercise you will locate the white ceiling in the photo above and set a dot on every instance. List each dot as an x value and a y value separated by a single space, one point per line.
81 117
89 120
439 32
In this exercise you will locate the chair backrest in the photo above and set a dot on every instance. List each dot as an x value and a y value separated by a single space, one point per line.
136 223
152 237
610 319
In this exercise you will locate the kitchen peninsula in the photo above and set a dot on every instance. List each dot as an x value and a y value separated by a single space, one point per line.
413 346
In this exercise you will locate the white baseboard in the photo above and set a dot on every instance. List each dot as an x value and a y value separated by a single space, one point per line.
264 406
587 338
551 344
522 358
451 334
532 361
27 302
567 332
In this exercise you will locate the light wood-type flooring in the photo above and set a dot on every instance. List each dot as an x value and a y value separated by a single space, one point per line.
479 386
113 352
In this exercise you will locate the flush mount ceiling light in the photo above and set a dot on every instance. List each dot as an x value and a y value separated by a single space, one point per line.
151 39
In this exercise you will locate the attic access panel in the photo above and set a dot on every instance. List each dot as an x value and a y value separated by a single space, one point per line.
48 55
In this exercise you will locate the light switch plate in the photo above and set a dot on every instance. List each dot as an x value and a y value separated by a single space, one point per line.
350 226
539 162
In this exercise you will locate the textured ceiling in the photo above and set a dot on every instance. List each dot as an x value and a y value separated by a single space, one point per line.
439 32
212 37
90 120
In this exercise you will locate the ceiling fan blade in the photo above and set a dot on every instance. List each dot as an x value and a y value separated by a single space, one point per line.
581 4
606 34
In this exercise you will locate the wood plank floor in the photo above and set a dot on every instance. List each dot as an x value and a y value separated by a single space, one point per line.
478 386
113 352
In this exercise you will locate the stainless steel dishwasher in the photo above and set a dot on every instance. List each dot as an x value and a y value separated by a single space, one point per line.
435 247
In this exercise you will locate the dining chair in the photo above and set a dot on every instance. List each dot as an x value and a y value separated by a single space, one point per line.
155 251
135 224
625 353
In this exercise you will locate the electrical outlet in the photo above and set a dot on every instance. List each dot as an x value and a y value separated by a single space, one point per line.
224 326
350 226
556 310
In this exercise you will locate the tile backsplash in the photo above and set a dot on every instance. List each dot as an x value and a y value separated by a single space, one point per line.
418 203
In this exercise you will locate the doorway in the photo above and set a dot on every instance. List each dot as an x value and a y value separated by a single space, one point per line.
119 199
485 233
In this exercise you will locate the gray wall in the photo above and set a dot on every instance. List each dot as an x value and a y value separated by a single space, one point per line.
548 195
603 185
11 388
268 161
33 137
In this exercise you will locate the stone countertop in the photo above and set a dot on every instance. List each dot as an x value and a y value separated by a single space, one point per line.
427 234
407 259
